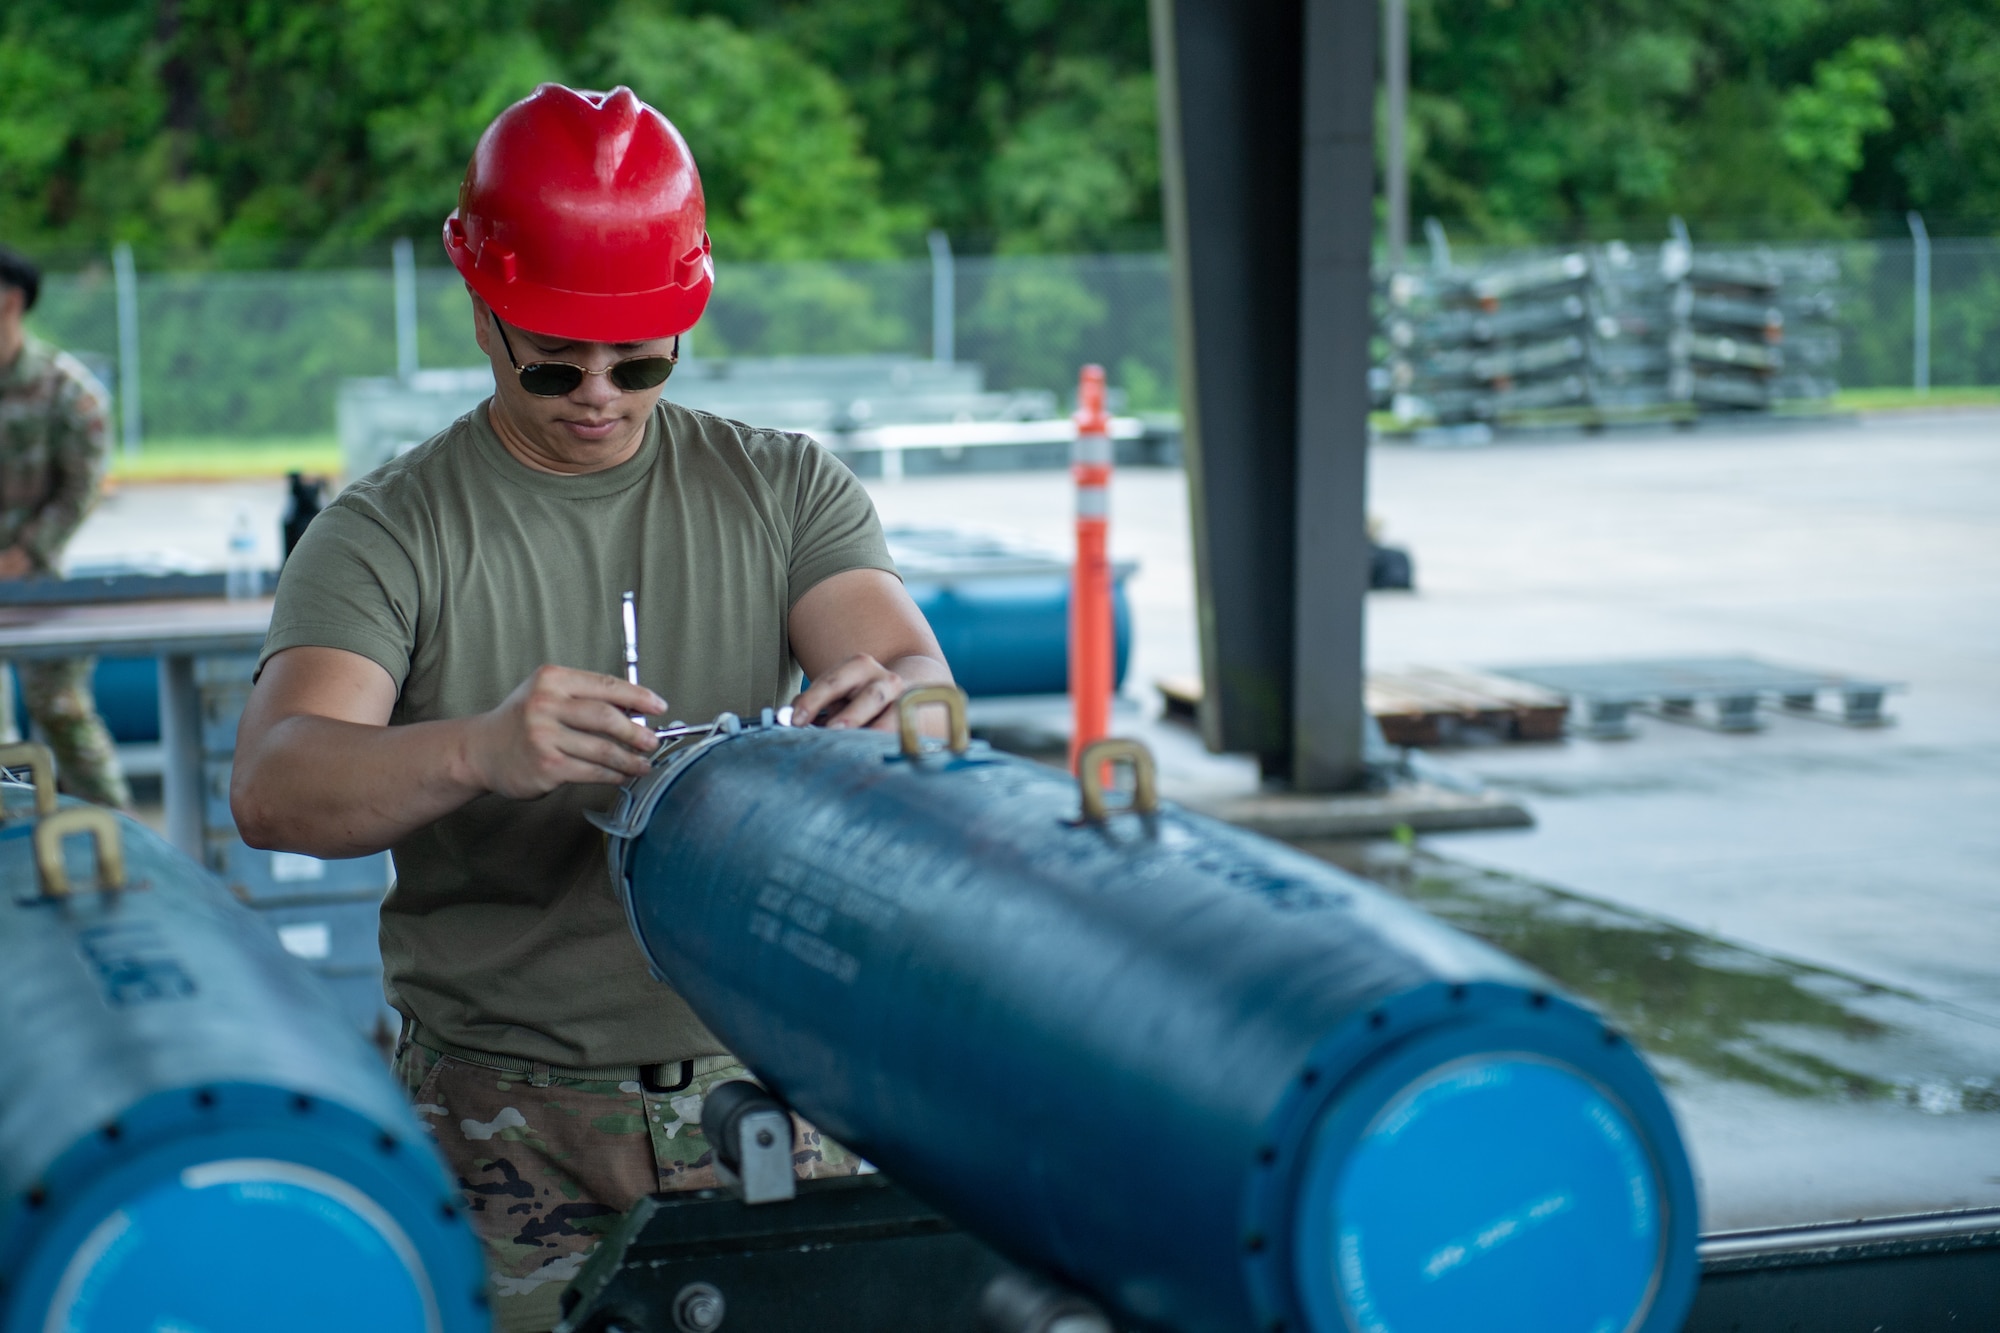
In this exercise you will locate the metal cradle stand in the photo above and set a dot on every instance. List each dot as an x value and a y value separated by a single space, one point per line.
773 1255
851 1255
1912 1274
860 1255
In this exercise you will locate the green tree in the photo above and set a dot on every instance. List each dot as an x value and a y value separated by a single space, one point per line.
946 89
1080 171
777 140
75 122
1822 125
241 132
1533 118
249 130
1943 156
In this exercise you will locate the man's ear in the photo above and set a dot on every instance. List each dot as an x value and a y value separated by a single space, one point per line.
482 321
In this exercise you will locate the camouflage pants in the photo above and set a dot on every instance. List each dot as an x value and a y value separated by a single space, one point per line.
548 1164
57 692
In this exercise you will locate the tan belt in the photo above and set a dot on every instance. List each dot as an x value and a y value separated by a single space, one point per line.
668 1076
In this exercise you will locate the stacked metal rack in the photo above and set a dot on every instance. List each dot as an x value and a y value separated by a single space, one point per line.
1473 346
1756 328
1636 362
1606 333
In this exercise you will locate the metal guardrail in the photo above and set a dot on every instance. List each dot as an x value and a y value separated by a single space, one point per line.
877 413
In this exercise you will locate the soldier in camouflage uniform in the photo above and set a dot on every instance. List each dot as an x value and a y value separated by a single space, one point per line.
554 1145
52 456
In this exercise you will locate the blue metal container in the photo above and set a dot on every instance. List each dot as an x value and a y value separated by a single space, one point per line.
127 690
192 1135
1213 1081
1007 636
1000 611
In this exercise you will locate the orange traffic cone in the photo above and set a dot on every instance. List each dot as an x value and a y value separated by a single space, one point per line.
1090 629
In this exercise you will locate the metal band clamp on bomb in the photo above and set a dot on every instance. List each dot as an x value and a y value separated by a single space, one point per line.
1241 1090
191 1134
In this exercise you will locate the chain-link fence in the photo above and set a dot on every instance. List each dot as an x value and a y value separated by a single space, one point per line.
257 355
231 355
1879 313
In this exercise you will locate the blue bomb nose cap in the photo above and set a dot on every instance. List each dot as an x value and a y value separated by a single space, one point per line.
1507 1193
242 1245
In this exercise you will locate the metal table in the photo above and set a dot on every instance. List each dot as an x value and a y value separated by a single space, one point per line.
176 632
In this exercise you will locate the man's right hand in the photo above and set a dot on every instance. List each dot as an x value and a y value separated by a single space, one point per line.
563 725
320 770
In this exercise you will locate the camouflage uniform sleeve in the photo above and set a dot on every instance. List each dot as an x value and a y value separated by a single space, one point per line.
79 438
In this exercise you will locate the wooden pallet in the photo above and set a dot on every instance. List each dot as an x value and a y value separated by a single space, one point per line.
1719 693
1180 696
1431 705
1435 705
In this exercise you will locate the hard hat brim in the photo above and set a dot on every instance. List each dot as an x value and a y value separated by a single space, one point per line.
608 317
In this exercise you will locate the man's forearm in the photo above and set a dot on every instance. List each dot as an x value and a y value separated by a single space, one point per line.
320 771
921 669
330 788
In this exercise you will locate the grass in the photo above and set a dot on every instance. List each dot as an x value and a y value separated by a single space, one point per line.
1904 400
224 459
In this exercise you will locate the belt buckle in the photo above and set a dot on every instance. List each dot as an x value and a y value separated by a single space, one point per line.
650 1076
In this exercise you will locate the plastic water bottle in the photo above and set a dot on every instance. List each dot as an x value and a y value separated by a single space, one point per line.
243 579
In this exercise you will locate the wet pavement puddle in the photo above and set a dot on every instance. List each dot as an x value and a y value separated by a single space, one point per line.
1805 1094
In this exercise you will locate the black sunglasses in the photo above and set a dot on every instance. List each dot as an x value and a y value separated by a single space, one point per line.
559 379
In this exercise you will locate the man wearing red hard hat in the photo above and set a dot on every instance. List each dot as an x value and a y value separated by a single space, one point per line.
439 678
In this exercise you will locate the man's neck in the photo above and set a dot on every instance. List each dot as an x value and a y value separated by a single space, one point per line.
530 454
13 342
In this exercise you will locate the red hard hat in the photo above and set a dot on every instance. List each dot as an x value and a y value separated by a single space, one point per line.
581 217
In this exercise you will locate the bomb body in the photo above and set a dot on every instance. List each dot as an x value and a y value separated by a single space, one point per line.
1236 1086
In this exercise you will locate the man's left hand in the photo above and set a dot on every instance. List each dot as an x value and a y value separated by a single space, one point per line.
16 563
863 643
860 692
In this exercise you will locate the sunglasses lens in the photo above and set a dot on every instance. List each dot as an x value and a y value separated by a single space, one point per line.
642 372
550 379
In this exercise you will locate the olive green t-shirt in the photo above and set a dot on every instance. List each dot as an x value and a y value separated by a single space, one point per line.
460 571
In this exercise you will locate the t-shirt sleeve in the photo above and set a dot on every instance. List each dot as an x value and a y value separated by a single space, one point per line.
351 585
834 527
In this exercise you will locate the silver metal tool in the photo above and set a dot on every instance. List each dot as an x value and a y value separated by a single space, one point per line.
680 729
632 647
675 731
